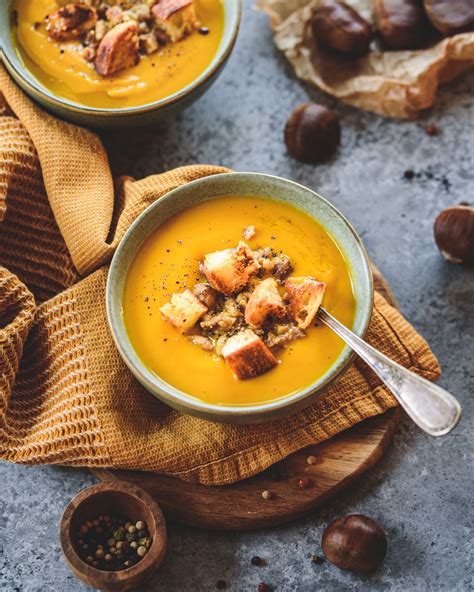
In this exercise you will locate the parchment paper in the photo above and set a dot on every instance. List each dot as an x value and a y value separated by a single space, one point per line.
392 83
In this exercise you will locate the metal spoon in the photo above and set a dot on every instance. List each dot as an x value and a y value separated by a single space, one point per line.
432 408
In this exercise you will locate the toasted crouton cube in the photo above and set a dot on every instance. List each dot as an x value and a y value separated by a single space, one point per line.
176 18
183 311
71 21
230 270
206 294
305 296
118 49
247 355
265 302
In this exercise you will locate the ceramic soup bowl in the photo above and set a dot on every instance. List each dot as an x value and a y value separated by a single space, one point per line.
242 184
142 115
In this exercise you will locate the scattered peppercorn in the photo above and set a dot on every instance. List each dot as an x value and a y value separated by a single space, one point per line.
256 560
112 543
409 174
311 460
316 559
220 585
204 31
303 483
432 130
266 494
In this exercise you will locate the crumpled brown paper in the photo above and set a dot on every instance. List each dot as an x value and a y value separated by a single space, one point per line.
392 83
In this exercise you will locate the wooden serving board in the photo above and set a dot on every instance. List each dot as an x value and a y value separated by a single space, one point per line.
339 461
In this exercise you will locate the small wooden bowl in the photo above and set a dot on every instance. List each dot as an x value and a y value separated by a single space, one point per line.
122 498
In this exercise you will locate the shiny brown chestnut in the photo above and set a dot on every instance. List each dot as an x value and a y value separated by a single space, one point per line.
454 234
401 24
355 542
339 27
451 16
312 133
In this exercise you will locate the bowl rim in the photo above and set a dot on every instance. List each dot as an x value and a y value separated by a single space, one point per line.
191 404
148 564
40 92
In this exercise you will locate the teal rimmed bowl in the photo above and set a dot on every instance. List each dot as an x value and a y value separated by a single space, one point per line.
215 186
146 114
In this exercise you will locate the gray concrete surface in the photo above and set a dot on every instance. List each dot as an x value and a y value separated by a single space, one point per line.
421 491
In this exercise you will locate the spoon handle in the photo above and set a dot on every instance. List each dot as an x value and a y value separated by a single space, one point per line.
432 408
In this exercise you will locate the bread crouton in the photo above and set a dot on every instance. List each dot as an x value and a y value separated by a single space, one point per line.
183 311
265 302
247 355
230 270
71 21
118 49
305 296
176 18
206 294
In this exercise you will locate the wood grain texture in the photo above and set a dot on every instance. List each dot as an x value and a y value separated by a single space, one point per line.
339 461
114 497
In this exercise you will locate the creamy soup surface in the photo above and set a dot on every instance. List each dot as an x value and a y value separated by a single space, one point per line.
168 262
60 67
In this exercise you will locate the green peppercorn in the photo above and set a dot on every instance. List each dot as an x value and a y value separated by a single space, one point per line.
144 542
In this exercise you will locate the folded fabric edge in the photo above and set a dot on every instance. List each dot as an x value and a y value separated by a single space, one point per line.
241 465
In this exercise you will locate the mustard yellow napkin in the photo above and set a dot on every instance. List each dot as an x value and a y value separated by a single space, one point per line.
65 395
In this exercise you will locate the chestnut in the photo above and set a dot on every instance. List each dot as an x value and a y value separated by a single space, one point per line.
451 16
454 234
401 24
355 542
312 133
339 27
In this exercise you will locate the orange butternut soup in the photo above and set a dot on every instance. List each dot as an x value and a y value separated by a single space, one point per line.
168 262
61 67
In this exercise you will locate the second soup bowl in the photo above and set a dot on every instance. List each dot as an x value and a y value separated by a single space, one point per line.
158 220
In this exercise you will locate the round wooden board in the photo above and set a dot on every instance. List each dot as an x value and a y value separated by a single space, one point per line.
339 461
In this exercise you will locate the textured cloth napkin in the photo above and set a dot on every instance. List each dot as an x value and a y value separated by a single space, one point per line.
66 397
